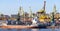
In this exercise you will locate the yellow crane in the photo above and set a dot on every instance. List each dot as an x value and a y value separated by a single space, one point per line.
42 15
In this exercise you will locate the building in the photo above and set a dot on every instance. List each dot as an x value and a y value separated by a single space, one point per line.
14 17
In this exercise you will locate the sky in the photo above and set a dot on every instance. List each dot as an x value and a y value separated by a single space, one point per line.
9 7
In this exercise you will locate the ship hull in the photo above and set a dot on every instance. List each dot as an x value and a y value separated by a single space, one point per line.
16 27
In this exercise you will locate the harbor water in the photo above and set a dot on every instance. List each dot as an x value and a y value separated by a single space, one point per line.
29 29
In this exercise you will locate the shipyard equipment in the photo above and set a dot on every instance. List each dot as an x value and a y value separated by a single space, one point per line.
20 13
30 14
42 13
53 13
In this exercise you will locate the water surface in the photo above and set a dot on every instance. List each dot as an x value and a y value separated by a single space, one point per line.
29 29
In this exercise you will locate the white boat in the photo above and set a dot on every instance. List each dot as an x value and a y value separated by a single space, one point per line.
3 23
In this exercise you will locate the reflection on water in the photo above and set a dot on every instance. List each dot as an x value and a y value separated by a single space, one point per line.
23 29
34 29
29 29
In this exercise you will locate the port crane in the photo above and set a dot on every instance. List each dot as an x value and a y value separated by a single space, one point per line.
42 13
20 13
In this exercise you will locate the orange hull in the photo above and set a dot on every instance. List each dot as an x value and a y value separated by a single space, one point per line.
16 27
